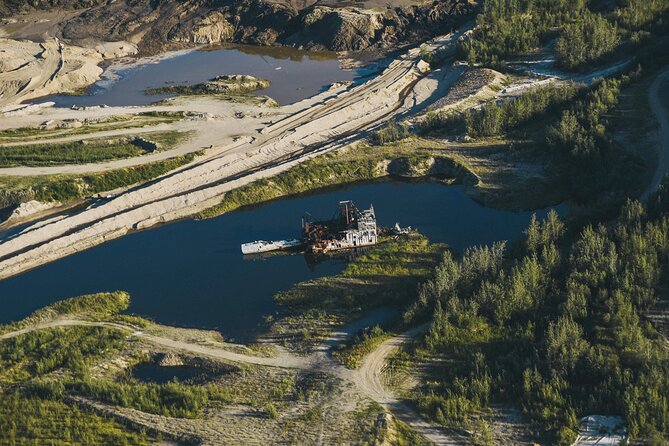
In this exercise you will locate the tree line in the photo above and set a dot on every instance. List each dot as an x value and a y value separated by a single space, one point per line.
586 31
555 326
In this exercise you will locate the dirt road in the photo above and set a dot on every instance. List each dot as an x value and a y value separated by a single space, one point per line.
367 379
332 123
661 111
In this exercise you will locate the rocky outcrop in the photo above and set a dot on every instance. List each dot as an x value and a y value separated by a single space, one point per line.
426 166
235 84
10 198
212 28
153 25
29 209
170 360
338 29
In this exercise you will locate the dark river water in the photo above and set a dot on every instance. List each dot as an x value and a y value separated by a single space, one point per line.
192 273
294 75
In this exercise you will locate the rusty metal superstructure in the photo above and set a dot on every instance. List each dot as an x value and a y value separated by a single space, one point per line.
349 228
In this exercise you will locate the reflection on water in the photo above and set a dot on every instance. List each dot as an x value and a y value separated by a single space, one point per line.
294 75
192 273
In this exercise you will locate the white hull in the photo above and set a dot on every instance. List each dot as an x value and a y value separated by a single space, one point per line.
263 246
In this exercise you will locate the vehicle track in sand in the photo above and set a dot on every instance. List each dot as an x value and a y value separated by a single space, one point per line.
49 63
368 379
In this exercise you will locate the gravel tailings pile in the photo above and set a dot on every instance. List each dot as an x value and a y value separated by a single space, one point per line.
30 70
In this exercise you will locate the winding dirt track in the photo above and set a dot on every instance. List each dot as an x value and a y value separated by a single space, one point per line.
368 378
662 114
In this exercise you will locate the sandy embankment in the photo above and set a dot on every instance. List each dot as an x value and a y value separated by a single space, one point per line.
324 126
30 70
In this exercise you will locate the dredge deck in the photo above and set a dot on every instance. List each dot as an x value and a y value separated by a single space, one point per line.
348 228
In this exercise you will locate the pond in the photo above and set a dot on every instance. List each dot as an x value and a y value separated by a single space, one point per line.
192 273
294 75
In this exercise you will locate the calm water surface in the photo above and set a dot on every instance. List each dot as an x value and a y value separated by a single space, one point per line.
294 75
192 273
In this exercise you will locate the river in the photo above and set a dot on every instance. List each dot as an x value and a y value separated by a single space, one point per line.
192 273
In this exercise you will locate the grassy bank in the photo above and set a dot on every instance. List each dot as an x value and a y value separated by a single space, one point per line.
87 151
71 187
91 306
412 158
75 152
385 275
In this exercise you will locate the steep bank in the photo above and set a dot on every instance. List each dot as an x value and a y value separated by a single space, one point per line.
154 26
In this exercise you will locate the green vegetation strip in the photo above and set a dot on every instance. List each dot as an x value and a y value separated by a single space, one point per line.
87 151
77 152
71 187
362 163
90 306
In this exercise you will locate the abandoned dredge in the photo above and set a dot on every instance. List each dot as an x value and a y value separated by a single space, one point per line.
349 228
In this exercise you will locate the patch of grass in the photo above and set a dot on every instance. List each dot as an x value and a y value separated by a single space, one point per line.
64 188
360 163
91 306
172 399
76 152
167 140
406 436
352 354
88 151
68 351
32 420
387 274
